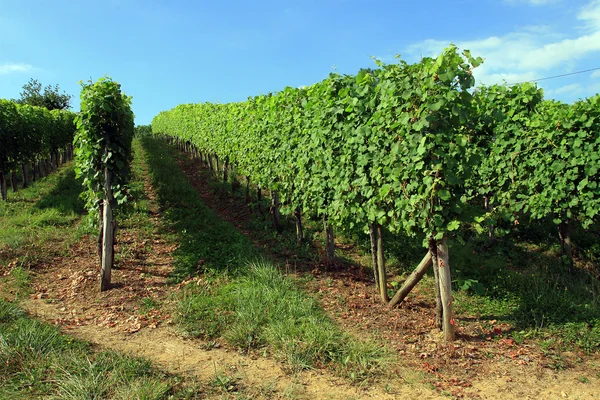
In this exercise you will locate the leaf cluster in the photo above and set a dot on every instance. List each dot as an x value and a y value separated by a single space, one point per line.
105 130
409 146
29 132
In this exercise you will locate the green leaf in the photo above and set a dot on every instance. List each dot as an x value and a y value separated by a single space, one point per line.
444 194
453 225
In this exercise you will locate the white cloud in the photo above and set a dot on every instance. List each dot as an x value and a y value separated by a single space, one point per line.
571 89
529 53
7 68
590 15
530 2
595 74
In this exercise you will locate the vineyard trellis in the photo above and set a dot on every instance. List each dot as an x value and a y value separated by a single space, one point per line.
32 139
406 147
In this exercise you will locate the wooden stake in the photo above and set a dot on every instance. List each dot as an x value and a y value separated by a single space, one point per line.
446 289
107 235
411 281
381 265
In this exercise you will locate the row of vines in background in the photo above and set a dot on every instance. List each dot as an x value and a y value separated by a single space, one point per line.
407 147
32 139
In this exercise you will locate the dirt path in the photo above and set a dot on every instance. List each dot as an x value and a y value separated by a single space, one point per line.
133 317
491 368
259 374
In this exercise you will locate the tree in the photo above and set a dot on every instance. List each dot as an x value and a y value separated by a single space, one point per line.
50 98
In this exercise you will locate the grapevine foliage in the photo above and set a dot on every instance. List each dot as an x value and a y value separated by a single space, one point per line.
28 133
103 140
408 146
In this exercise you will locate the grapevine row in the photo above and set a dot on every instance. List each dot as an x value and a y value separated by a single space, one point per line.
30 134
409 147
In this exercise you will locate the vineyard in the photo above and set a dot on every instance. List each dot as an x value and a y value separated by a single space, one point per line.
408 148
400 232
32 138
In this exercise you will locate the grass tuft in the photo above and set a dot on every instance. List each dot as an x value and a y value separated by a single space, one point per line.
37 361
265 308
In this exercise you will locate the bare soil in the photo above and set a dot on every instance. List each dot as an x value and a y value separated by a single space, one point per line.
482 363
66 293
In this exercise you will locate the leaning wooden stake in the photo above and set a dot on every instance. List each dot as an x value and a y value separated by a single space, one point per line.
411 281
446 289
107 235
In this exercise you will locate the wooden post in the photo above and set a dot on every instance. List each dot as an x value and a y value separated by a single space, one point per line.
299 229
40 168
275 210
446 289
13 181
259 200
381 265
25 175
2 184
247 190
373 237
566 244
438 299
216 166
329 241
210 162
411 281
107 235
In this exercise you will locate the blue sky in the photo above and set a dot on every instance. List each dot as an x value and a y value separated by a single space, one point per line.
166 53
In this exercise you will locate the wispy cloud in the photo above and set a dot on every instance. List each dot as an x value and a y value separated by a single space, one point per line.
590 15
574 88
530 2
595 74
527 54
8 68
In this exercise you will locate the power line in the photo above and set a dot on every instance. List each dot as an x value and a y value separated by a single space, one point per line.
555 76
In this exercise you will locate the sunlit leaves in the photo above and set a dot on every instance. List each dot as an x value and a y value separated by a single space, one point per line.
103 140
409 146
28 132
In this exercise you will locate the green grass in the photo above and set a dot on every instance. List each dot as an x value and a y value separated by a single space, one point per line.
265 309
241 297
206 243
37 361
37 216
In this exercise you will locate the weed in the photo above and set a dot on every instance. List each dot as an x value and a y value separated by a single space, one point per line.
147 304
37 361
265 308
583 379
